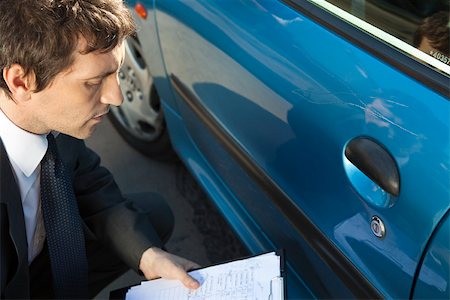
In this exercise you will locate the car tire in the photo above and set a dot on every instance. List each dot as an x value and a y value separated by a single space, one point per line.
140 118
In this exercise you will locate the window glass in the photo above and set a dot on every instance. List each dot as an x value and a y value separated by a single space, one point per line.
418 27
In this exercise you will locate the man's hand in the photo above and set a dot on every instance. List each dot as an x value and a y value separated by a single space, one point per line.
158 263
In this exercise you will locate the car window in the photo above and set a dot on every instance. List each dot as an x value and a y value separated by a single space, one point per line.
418 28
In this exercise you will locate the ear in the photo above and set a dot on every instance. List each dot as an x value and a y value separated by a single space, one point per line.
21 85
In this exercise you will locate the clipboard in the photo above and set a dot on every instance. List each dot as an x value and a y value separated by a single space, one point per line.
277 284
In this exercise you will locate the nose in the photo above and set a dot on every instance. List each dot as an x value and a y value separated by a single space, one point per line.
111 93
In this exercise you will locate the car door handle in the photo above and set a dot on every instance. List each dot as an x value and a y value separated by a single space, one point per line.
375 162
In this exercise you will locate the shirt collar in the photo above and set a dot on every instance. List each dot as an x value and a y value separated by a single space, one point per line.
26 149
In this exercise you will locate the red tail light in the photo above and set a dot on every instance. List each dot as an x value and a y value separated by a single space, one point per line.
141 11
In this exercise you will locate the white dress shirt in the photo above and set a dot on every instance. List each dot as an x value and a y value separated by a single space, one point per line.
25 151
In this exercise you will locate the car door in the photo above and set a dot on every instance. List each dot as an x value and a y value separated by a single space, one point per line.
331 134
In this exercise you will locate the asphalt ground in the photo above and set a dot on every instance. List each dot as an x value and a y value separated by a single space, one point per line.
201 234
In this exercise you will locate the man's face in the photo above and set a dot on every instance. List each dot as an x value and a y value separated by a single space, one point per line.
78 98
425 46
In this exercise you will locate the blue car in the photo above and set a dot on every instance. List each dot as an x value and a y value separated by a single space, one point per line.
319 127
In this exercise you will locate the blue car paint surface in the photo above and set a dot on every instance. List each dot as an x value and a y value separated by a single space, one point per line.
292 94
434 275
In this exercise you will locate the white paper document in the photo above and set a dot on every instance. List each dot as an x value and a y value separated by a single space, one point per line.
255 278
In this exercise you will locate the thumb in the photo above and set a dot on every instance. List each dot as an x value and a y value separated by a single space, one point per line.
190 282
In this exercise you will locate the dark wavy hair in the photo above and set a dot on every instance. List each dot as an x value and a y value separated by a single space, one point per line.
42 35
436 29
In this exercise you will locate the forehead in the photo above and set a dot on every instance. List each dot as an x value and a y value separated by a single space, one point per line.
86 65
425 45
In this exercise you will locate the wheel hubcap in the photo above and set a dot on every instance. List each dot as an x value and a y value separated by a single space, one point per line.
140 114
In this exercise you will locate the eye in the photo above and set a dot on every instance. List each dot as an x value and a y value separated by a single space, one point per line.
93 85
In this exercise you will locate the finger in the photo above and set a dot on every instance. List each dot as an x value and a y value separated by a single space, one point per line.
192 265
190 282
180 274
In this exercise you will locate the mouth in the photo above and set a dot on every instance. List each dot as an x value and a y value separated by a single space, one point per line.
100 116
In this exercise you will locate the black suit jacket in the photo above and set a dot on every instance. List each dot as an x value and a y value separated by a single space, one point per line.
107 217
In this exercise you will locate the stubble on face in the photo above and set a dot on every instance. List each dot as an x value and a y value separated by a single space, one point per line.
74 102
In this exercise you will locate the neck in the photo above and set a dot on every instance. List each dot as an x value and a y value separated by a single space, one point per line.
17 114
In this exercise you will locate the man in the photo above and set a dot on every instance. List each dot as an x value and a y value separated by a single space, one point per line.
66 231
432 36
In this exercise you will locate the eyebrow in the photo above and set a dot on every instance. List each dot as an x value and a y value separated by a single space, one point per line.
107 73
102 75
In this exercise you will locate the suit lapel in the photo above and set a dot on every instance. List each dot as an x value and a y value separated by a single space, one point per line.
18 286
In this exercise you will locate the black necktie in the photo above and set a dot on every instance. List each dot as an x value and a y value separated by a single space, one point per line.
65 238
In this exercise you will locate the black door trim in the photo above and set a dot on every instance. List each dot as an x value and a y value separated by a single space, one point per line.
332 256
404 63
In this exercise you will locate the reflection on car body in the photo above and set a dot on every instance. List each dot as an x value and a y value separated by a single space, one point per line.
314 126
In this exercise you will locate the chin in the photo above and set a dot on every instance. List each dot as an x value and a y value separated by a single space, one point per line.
81 134
86 134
